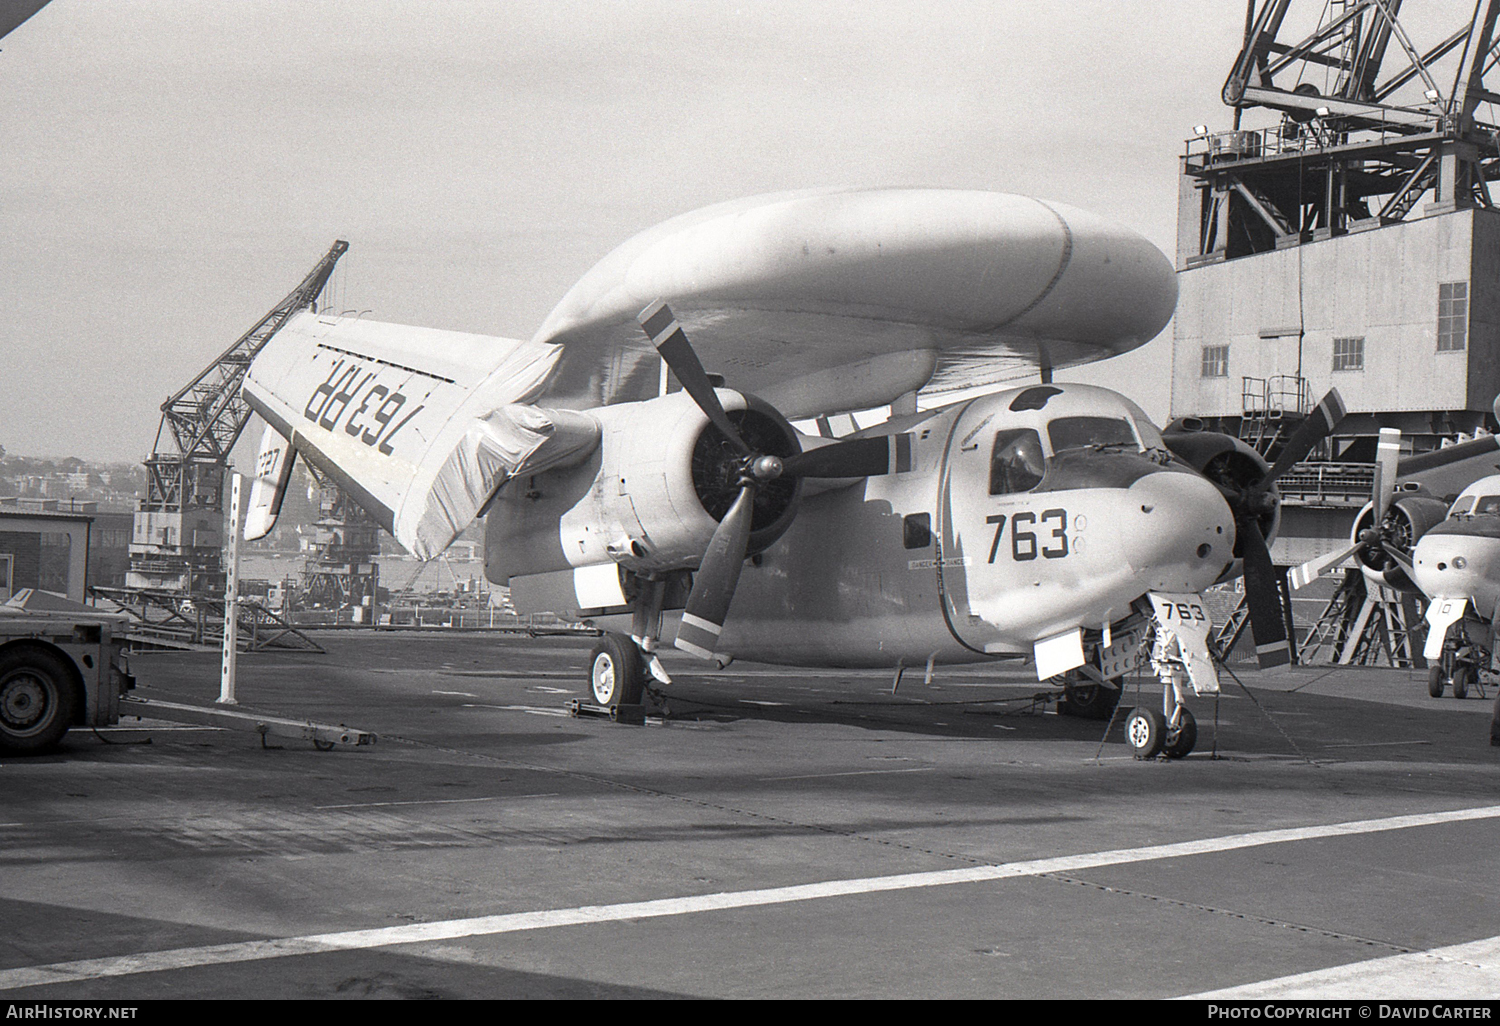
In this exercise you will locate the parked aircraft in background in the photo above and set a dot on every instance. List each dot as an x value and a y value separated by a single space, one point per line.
1049 521
1445 546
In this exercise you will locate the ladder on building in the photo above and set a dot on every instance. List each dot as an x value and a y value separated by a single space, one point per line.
1272 408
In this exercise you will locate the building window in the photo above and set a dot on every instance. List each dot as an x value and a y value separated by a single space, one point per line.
1349 354
1216 361
1453 316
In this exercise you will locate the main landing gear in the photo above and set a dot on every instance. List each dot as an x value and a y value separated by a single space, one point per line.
617 674
1172 732
1090 700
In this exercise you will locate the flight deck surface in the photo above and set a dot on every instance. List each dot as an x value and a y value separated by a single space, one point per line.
778 833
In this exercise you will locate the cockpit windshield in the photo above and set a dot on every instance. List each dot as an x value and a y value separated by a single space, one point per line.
1016 462
1082 432
1489 504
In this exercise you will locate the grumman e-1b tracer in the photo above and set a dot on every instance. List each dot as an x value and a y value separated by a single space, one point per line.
1051 521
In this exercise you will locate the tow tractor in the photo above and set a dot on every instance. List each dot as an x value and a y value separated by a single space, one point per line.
66 666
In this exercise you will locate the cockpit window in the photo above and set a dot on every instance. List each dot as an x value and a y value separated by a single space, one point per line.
1081 432
1462 507
1017 462
1487 504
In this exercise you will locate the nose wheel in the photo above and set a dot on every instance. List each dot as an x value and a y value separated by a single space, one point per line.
1172 733
1459 667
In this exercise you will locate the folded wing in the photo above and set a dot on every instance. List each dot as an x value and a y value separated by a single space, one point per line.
420 426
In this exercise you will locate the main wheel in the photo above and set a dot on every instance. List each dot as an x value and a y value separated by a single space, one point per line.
616 676
1089 701
37 700
1463 676
1180 742
1145 732
1435 681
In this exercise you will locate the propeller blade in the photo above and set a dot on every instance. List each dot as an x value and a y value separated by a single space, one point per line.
1401 559
1318 425
1310 571
672 343
1267 625
857 457
717 576
1387 456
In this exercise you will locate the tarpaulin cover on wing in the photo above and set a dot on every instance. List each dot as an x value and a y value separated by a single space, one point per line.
512 440
411 422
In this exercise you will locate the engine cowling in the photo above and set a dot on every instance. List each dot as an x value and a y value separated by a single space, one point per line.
1411 515
1229 463
649 498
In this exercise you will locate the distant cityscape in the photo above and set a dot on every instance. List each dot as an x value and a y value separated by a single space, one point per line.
110 493
112 487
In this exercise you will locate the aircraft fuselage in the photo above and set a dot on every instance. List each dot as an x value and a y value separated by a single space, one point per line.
1021 515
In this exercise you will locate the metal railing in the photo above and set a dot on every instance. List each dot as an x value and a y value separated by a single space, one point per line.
1346 485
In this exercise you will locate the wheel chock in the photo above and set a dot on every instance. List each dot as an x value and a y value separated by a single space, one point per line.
635 715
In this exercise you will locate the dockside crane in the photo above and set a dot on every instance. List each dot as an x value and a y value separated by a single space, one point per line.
178 535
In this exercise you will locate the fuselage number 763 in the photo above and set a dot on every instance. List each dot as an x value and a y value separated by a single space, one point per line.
1024 544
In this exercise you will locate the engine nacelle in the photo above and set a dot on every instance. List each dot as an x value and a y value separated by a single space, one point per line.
1412 514
649 498
1229 463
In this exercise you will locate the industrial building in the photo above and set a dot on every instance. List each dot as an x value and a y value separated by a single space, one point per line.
1348 241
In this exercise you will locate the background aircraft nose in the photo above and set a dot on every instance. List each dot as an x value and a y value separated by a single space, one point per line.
1178 530
1451 564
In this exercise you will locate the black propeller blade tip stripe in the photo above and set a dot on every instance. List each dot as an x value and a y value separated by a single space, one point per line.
1266 623
656 319
671 342
1317 426
717 577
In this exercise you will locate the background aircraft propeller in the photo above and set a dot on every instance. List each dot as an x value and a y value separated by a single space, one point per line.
719 571
1374 536
1251 501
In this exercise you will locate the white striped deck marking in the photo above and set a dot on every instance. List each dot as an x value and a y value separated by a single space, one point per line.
853 773
517 922
439 801
535 710
1453 973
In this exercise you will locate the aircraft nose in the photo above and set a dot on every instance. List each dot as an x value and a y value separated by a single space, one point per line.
1179 532
1444 564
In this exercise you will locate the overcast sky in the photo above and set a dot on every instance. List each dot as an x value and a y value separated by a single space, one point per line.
169 169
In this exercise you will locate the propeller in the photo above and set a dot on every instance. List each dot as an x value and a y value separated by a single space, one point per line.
719 571
1250 502
1388 455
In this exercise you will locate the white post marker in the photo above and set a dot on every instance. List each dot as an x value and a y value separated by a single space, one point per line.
231 597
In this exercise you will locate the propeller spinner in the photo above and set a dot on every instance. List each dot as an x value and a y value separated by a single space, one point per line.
719 571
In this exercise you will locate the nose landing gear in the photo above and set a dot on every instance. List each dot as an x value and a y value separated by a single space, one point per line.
1172 732
1462 663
